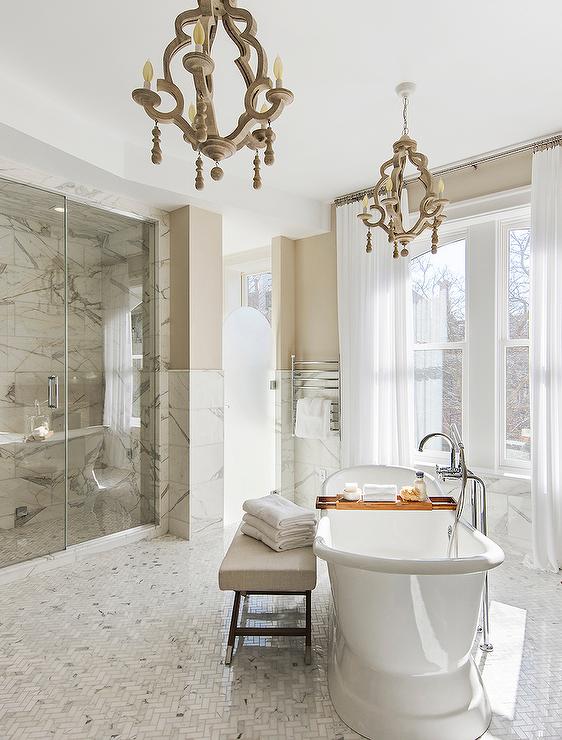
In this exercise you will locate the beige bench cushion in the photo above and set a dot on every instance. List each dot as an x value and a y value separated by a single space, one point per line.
249 565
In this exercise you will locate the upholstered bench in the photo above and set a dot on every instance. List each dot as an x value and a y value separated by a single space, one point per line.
250 568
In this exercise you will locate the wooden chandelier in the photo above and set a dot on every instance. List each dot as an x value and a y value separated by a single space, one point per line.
387 193
201 130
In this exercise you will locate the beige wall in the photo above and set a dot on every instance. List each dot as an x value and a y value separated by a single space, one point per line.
316 310
506 173
283 299
205 287
179 297
196 290
305 314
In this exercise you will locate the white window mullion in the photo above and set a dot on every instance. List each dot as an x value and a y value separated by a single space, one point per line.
514 460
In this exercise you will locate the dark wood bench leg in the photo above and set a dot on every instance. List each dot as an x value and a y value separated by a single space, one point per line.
233 626
308 646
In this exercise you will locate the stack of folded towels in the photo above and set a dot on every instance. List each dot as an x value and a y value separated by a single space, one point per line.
278 522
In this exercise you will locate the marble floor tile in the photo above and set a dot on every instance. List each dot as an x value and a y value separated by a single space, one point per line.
130 644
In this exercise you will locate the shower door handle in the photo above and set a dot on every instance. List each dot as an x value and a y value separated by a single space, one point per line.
53 392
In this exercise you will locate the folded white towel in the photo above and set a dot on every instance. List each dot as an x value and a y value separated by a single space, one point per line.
313 418
291 543
374 492
278 512
279 535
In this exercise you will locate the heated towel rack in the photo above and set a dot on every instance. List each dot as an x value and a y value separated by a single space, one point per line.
317 378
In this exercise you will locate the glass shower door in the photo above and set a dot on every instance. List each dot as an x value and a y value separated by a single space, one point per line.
110 379
32 372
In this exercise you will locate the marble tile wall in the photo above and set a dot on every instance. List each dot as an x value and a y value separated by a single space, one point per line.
41 250
284 441
196 449
206 452
509 510
178 451
301 464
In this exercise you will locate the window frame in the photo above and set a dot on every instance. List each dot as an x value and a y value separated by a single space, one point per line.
432 456
503 462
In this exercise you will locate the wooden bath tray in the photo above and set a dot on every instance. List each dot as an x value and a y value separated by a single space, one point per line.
435 503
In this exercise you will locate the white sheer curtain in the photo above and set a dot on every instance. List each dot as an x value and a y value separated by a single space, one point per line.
376 365
546 358
118 364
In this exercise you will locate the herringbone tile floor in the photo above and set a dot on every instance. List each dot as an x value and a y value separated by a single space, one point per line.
130 645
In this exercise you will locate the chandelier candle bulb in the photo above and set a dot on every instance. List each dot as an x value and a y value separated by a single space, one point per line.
199 36
365 204
278 71
441 187
191 113
148 74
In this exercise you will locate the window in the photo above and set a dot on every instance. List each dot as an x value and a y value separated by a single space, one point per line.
513 365
438 292
137 355
257 292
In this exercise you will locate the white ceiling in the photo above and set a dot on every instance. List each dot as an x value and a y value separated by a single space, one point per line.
487 73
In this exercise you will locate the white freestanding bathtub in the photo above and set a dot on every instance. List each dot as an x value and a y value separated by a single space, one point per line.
405 617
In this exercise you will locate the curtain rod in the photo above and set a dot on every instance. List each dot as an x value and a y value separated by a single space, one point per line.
534 145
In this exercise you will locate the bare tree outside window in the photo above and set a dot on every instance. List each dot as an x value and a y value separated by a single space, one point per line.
258 291
438 293
518 285
517 443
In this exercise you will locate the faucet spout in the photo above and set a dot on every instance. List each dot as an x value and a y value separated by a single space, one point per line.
452 445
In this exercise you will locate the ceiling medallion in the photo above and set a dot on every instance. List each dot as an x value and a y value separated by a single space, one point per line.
386 206
262 103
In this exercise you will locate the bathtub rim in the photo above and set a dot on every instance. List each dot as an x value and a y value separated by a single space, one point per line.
491 558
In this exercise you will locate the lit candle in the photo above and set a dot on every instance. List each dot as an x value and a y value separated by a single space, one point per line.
147 73
278 71
388 187
199 36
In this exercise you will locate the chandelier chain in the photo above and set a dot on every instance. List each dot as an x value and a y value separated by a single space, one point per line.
405 130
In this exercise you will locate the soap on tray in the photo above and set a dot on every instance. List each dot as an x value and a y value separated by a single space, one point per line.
409 493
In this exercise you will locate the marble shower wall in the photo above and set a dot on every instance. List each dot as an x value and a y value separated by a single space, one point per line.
196 449
153 447
32 313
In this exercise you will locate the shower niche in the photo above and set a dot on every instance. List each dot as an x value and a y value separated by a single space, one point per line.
76 373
